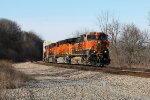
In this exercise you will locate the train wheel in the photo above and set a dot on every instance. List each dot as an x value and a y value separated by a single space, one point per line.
84 60
55 60
102 65
93 63
67 59
92 59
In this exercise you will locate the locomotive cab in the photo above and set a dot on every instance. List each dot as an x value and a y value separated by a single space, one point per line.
98 45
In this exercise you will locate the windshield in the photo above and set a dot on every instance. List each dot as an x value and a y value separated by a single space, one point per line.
102 37
91 37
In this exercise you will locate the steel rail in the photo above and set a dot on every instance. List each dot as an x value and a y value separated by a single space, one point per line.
139 72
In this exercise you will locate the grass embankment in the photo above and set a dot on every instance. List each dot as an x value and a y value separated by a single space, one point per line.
9 77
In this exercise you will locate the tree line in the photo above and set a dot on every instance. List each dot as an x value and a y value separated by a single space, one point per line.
18 45
130 45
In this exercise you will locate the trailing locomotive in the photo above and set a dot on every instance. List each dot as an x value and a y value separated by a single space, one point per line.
88 49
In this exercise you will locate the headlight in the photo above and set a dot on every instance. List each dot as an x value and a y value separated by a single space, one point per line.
105 51
94 52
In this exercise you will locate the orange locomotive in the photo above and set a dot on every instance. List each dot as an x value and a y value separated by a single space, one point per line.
89 49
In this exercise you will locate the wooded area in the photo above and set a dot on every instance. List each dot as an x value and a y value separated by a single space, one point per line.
18 45
130 46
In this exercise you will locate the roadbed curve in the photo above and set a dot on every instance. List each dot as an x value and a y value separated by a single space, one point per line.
55 83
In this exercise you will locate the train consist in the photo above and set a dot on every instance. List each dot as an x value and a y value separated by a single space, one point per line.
89 49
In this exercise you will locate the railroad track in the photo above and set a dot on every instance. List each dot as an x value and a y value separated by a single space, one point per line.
112 70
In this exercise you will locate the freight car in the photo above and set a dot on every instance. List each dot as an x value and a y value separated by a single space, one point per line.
89 49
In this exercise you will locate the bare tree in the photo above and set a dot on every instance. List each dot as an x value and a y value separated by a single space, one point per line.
9 39
104 21
32 46
113 31
112 27
149 18
132 44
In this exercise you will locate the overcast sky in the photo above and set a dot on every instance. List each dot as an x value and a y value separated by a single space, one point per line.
55 20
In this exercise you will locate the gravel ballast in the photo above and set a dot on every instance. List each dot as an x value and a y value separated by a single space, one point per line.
54 83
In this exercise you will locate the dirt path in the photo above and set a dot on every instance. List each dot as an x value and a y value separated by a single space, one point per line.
54 83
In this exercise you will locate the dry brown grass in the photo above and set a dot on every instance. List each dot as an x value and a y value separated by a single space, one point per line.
9 77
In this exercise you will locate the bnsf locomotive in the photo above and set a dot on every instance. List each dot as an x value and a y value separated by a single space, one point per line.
87 49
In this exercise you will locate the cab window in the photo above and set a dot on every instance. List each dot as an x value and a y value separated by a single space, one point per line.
80 39
102 37
91 37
